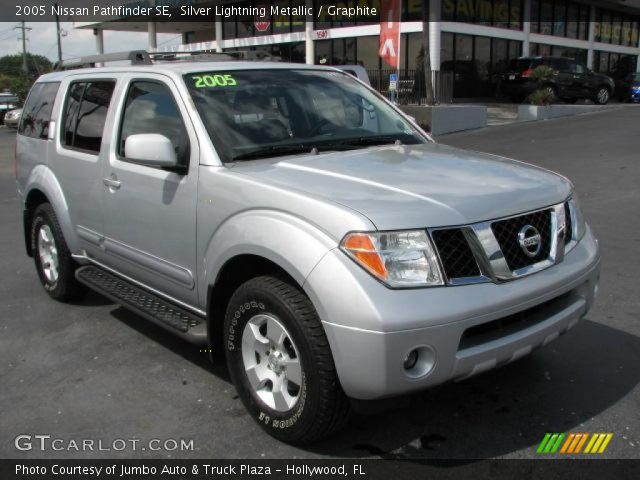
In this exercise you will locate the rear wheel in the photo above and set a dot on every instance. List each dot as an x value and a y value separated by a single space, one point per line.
280 362
54 264
602 96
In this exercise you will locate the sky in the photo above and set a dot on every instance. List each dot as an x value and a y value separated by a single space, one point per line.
76 43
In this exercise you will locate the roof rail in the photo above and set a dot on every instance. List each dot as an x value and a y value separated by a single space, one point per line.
141 57
212 55
136 57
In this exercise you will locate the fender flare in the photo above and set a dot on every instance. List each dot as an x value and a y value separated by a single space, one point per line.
288 241
43 179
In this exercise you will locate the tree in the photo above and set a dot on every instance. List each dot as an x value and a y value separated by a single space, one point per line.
36 65
12 77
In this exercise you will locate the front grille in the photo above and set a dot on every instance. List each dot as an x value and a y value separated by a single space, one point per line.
455 254
568 230
506 233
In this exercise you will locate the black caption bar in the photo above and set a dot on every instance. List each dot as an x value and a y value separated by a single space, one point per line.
183 10
318 469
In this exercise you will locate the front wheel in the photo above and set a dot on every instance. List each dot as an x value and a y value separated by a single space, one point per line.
603 95
280 362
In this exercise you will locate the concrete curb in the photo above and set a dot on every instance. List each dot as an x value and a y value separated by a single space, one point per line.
534 112
441 119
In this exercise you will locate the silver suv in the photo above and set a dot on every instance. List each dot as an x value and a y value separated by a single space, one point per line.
292 217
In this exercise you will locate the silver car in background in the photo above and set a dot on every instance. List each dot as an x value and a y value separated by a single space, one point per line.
12 118
291 217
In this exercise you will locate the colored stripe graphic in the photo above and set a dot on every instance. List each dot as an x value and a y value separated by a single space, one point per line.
598 443
551 443
574 442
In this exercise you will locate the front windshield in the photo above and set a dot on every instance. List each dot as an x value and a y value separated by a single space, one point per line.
253 114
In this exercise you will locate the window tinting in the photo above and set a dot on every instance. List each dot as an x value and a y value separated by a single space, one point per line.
74 97
85 114
151 108
36 114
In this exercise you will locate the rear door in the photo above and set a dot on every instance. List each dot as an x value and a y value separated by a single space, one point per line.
79 153
150 212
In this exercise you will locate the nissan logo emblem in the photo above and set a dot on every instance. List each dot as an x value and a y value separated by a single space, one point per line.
530 240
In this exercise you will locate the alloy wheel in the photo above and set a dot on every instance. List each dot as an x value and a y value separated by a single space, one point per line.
271 362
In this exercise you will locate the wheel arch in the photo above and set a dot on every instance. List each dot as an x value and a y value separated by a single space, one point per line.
43 187
236 271
34 199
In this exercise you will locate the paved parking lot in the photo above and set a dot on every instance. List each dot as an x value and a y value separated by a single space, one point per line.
93 370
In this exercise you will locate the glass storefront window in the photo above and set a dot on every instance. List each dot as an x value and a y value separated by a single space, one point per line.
496 13
559 19
583 25
501 13
572 20
367 52
546 17
412 10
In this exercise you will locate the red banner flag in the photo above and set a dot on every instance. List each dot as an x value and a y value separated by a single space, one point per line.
390 32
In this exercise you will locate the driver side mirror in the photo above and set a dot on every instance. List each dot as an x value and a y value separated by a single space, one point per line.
151 149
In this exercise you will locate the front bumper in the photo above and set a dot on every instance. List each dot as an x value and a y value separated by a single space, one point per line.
371 328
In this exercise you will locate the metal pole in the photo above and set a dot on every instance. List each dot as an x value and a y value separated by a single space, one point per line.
426 55
308 35
24 49
58 36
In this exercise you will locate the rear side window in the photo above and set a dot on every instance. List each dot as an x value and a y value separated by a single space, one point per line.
85 114
36 114
151 108
560 64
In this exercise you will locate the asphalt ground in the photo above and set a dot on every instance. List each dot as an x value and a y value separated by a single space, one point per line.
92 370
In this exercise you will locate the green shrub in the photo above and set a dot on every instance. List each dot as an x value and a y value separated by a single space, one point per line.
541 98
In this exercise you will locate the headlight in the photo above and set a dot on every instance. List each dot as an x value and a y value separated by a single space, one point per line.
577 218
399 259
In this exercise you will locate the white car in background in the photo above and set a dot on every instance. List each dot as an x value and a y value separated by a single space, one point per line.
12 118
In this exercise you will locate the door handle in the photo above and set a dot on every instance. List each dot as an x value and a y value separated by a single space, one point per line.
112 182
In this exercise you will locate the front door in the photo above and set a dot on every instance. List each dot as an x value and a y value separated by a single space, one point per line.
150 212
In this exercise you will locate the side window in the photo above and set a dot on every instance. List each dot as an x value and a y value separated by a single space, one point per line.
85 114
151 108
578 69
36 114
560 64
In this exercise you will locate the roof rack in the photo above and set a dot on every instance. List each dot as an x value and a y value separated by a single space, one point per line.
141 57
136 57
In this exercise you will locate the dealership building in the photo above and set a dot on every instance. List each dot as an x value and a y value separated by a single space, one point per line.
471 40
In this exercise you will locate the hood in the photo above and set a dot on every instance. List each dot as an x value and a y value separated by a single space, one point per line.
416 186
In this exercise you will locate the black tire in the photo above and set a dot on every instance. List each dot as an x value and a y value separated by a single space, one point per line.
65 287
603 95
321 407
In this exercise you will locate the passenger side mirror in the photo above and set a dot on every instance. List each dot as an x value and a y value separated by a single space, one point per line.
151 149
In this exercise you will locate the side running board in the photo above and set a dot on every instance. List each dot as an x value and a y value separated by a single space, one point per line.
177 320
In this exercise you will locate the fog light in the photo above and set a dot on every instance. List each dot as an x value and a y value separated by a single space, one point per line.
410 360
419 361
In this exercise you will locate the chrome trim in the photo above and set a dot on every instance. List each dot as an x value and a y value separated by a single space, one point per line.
195 310
574 226
488 254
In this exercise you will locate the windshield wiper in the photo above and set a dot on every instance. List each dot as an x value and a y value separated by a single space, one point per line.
272 151
371 141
